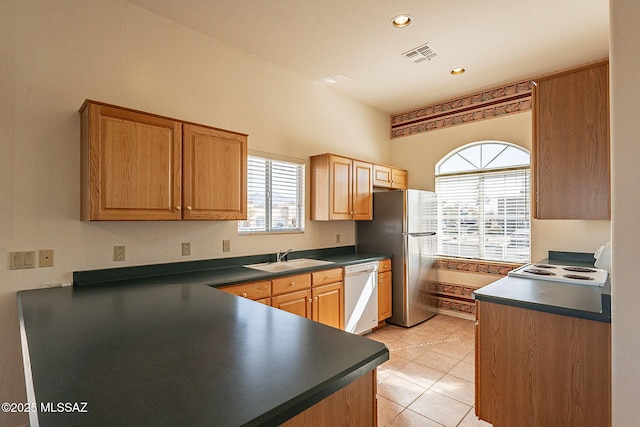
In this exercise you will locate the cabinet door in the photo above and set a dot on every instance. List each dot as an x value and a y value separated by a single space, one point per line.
547 369
328 305
131 165
399 179
295 302
362 190
384 295
215 170
381 176
340 203
571 145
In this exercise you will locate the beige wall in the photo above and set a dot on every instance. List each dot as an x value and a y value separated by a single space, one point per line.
56 54
625 147
420 153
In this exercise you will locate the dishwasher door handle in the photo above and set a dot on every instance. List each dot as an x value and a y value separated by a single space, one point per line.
360 269
358 272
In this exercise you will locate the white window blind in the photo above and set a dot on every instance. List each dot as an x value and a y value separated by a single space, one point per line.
275 196
485 214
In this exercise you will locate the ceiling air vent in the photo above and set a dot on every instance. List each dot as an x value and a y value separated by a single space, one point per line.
421 53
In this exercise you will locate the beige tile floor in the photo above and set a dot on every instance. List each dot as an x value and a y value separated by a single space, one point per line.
429 378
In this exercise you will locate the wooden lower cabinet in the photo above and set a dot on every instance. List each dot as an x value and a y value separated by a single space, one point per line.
257 291
353 405
324 304
327 293
541 369
298 302
384 290
328 304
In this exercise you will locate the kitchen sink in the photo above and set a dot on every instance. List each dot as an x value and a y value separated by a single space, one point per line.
294 264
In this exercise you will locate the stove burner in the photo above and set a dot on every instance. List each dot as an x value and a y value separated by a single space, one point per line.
544 266
577 276
539 272
579 269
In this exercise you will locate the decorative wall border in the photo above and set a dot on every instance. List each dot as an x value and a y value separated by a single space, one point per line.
497 102
475 266
446 305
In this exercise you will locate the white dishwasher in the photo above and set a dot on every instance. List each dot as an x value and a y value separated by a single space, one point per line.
361 297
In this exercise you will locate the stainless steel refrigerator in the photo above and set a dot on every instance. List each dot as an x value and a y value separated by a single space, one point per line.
404 225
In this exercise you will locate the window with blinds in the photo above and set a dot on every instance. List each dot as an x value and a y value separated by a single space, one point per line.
484 202
275 196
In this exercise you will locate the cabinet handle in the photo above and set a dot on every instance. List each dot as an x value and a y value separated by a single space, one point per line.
189 208
385 266
327 278
244 294
311 300
292 283
178 208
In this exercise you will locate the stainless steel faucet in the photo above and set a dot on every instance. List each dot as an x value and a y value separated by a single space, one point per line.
282 255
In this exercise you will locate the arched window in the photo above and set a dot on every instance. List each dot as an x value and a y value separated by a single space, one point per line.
484 202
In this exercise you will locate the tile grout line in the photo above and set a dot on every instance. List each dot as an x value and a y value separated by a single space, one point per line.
426 343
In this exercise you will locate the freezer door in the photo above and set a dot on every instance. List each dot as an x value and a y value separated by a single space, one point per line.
421 211
418 262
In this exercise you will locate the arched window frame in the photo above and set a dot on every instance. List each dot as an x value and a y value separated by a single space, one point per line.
484 205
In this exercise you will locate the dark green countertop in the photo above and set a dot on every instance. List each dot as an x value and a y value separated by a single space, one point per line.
181 355
584 301
166 350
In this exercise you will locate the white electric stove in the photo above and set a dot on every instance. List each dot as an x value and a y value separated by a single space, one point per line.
562 273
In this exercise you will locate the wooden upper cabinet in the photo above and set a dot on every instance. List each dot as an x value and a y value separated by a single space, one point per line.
571 172
214 177
341 188
362 190
340 183
388 177
399 179
141 166
131 165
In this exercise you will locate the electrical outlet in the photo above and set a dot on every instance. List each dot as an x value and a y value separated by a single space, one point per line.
118 253
186 248
46 257
338 238
226 246
22 260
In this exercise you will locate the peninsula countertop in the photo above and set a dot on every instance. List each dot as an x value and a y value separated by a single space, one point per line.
180 354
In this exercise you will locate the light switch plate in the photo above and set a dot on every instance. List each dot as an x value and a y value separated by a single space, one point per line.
46 258
22 260
226 246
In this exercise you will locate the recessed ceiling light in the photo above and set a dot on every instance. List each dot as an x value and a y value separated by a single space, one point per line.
457 71
401 21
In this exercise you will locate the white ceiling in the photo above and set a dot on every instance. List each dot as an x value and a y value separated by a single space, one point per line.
353 43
